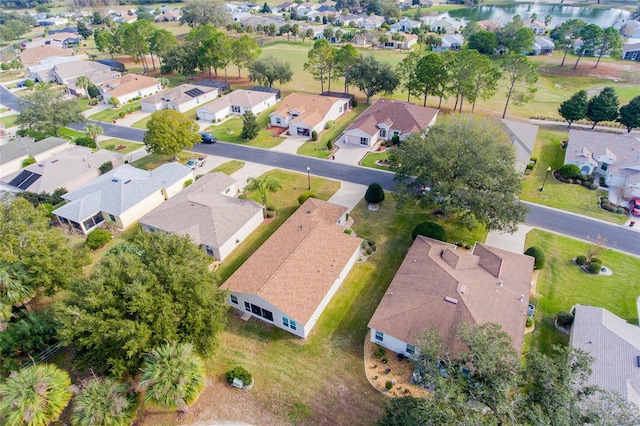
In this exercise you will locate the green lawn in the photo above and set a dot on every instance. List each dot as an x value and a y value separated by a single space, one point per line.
370 159
68 133
9 120
561 284
142 124
230 131
111 114
151 161
230 167
3 109
112 144
573 198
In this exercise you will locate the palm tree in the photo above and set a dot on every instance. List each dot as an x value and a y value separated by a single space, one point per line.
93 131
34 396
13 291
84 83
172 376
104 402
264 186
164 81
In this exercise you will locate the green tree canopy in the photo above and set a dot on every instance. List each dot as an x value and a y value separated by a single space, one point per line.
609 44
630 114
484 42
250 126
467 163
322 59
603 106
374 194
268 69
521 76
244 51
203 12
372 77
45 110
154 289
565 35
104 401
169 132
591 36
574 108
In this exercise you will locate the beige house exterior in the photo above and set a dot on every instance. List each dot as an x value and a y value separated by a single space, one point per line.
208 212
291 278
12 154
303 113
128 87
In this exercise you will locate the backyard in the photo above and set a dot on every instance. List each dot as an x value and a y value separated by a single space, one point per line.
561 284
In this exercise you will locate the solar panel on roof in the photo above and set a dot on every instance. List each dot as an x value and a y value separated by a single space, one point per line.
24 180
193 92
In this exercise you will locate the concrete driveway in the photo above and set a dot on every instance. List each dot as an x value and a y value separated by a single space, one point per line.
291 144
349 154
512 242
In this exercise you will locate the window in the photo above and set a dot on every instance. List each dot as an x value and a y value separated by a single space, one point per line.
410 349
267 315
112 218
604 166
247 306
235 109
379 336
93 221
383 133
289 323
292 324
234 299
255 309
364 141
278 121
285 321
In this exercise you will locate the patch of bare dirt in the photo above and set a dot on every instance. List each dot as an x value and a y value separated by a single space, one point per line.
620 71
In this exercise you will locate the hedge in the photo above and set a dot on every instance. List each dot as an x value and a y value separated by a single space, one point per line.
581 260
305 196
431 230
97 238
538 254
565 319
594 267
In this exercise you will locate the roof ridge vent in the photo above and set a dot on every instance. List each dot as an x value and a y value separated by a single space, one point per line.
451 300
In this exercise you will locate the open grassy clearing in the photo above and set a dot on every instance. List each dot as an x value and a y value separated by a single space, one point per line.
231 131
112 145
112 114
229 168
573 198
561 284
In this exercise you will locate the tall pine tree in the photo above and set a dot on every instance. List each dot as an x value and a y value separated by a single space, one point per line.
574 108
603 107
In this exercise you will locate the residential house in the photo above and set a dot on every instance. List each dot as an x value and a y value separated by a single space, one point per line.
303 113
65 72
236 103
522 137
630 29
181 98
96 78
631 51
613 157
287 6
446 26
52 22
405 41
129 87
614 345
291 278
348 20
439 287
43 71
60 39
543 46
12 154
121 196
222 86
169 16
33 56
209 214
489 25
405 25
450 42
371 22
537 27
385 119
68 169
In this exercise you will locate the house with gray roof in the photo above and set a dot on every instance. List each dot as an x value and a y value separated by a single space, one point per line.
121 196
69 169
43 71
631 51
208 212
450 42
614 345
236 103
181 98
614 157
385 119
440 287
543 46
522 137
405 25
12 154
67 71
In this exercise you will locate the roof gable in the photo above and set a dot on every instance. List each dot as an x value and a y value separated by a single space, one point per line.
403 116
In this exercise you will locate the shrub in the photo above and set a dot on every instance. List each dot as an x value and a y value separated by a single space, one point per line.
565 319
85 141
570 171
395 139
595 259
347 231
28 161
594 267
97 238
388 385
431 230
93 91
329 124
22 132
354 103
270 214
529 166
529 322
581 260
534 160
380 353
577 181
314 135
329 144
533 300
122 114
106 166
586 184
593 186
238 373
374 194
305 196
187 183
621 210
538 255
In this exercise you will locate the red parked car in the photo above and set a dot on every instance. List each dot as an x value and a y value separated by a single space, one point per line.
635 206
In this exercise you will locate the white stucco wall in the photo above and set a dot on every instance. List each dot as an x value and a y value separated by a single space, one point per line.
277 314
396 345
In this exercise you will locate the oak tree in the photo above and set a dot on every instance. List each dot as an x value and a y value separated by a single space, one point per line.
169 132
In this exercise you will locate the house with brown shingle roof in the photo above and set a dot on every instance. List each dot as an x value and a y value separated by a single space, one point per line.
386 118
209 214
303 113
128 87
236 103
181 98
33 56
440 287
292 277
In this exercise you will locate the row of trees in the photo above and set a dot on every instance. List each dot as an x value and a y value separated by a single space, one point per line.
595 40
488 383
601 107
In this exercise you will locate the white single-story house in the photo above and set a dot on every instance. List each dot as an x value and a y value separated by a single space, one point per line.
614 345
385 119
129 87
236 103
614 157
12 154
181 98
69 169
303 113
440 287
522 137
55 39
66 71
631 51
445 26
371 22
450 42
407 41
208 212
43 71
543 46
121 196
291 278
405 25
537 27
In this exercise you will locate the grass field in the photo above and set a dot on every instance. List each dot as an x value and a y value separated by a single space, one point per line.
230 167
231 131
112 144
111 114
561 284
573 198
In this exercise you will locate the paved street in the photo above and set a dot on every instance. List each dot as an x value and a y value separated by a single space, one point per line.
558 221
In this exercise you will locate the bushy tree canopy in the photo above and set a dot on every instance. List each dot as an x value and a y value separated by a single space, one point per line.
169 132
374 194
538 255
469 166
603 106
574 108
154 289
630 114
45 110
104 401
268 70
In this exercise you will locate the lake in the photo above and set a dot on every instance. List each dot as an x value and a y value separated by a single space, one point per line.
560 13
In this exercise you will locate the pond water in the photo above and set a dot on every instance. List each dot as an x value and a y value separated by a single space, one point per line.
560 13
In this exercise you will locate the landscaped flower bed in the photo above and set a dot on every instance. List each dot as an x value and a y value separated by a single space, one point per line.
605 204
